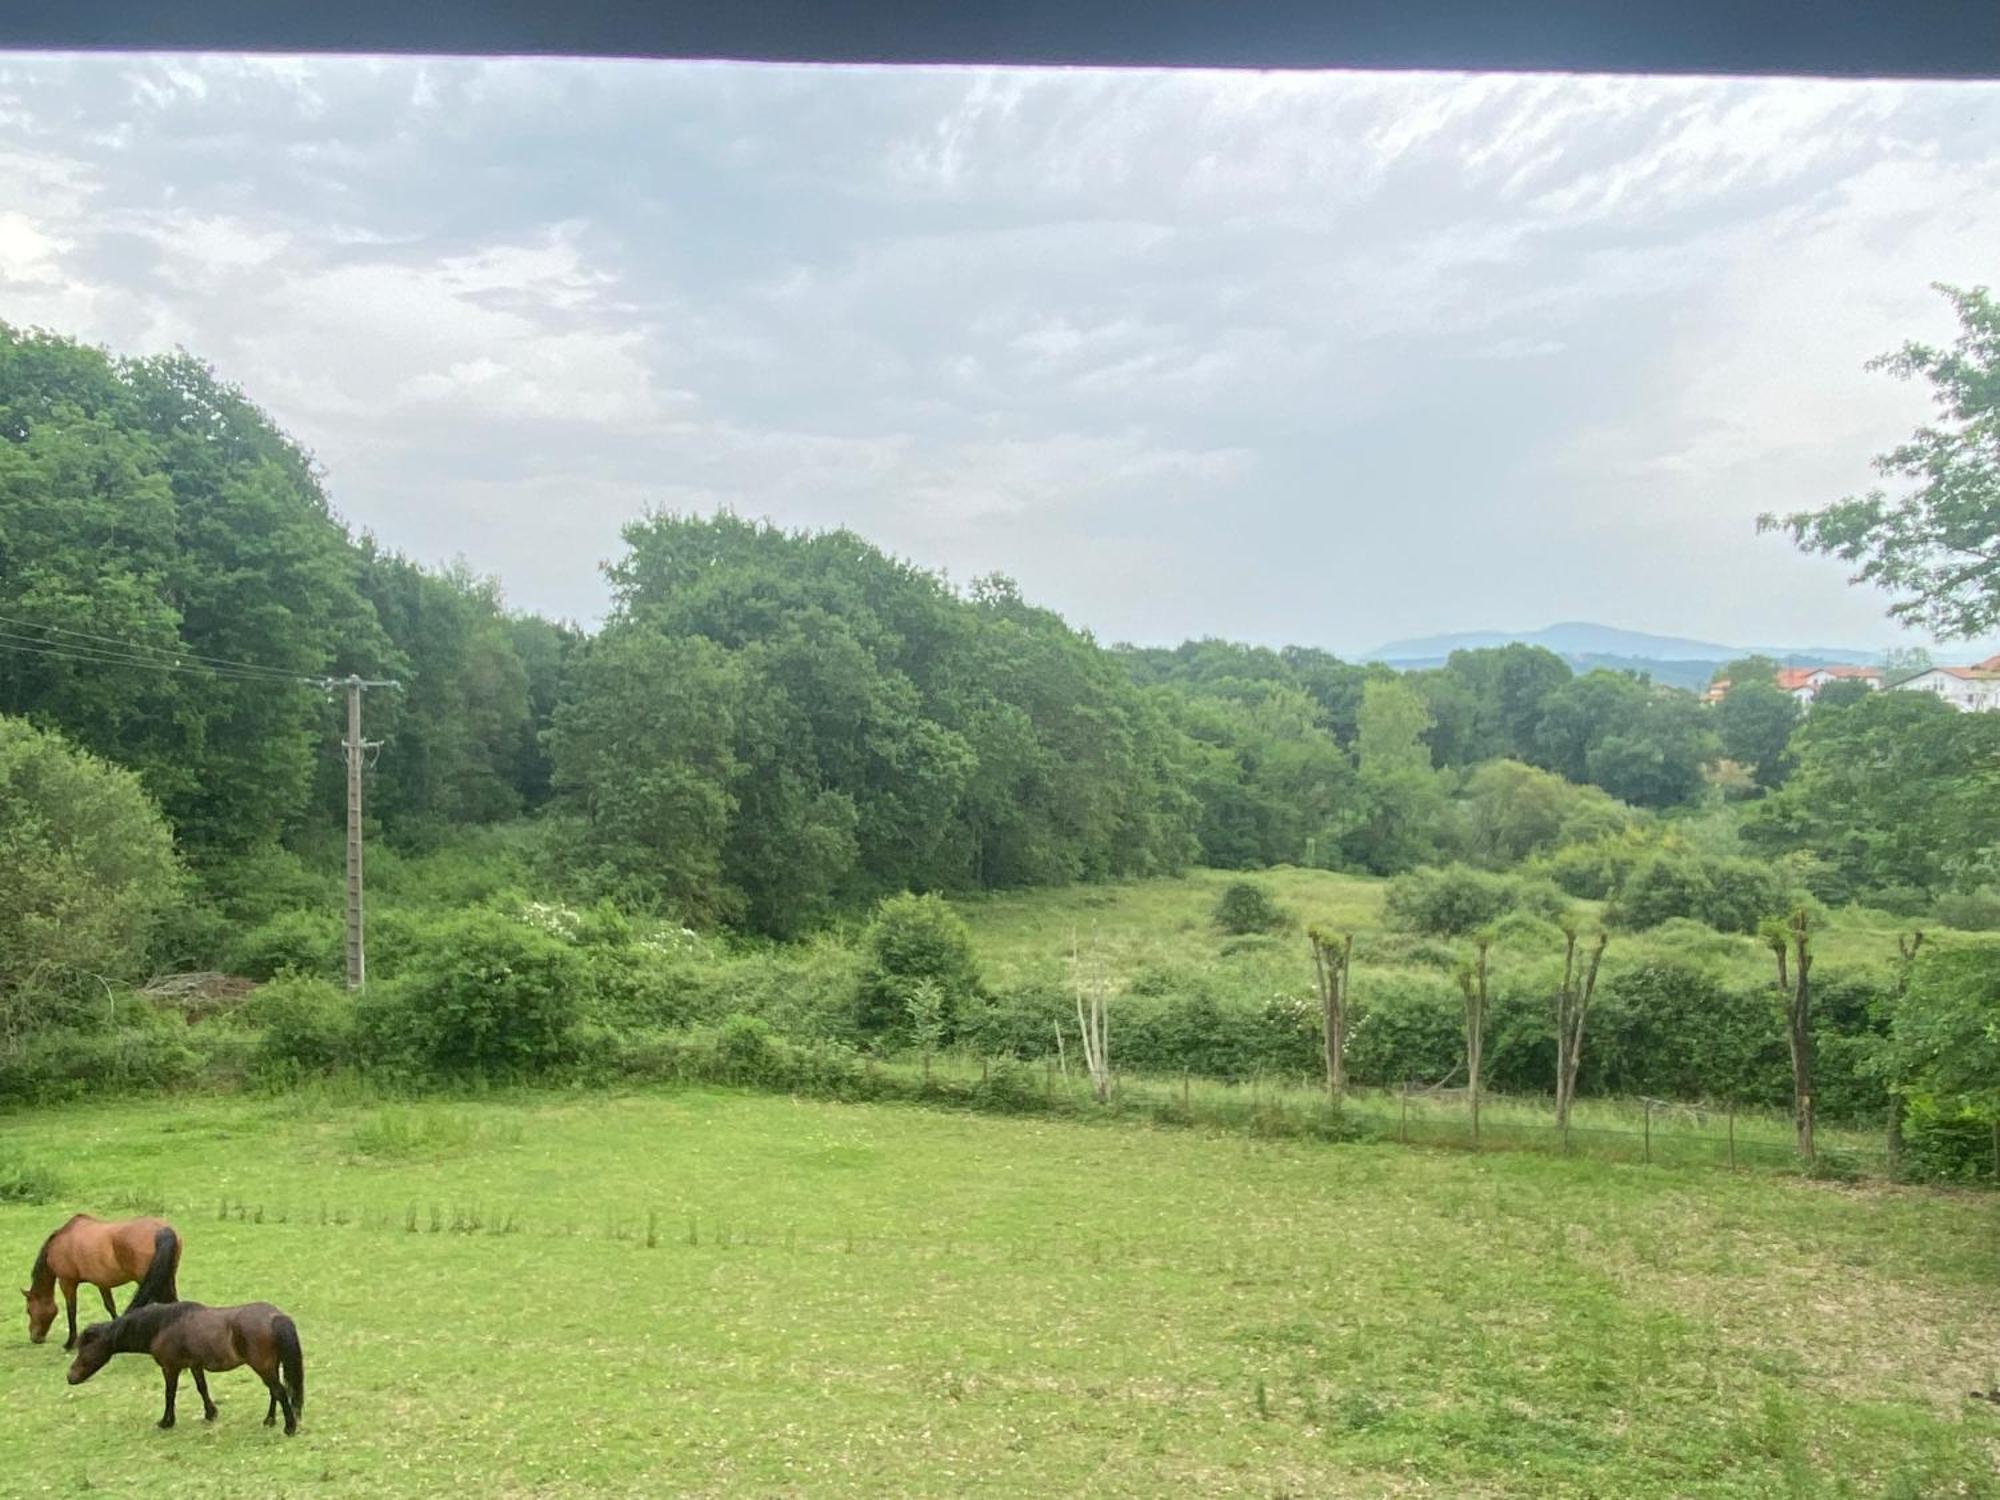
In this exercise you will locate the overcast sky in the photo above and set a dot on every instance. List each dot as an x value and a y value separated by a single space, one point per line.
1320 358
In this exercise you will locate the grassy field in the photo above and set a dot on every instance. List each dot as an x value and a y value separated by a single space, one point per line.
705 1293
1027 934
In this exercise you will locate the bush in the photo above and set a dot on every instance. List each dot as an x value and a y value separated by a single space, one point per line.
913 938
1730 895
1408 1026
1454 900
1244 908
294 942
1942 1143
486 996
307 1027
1596 870
1971 911
86 868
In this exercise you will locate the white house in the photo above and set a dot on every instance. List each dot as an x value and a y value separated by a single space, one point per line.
1968 689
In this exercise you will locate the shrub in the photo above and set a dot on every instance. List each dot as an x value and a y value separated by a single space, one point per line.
296 942
307 1027
485 996
1409 1025
1244 908
1971 911
1454 900
86 868
1944 1143
1730 895
1596 870
913 938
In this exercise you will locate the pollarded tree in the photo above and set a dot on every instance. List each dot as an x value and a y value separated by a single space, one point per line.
1472 986
1333 961
1579 987
86 867
1937 548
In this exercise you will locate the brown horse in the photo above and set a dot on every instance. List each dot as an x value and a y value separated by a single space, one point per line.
187 1336
102 1254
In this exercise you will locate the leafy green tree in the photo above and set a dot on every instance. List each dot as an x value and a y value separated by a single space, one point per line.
1840 693
1752 668
1898 789
1509 687
86 869
1754 723
453 737
1401 800
1937 547
1509 812
644 757
915 941
149 511
1944 1041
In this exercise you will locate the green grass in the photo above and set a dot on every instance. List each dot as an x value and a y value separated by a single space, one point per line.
705 1293
1133 923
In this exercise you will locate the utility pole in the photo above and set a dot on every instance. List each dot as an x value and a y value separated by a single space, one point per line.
355 746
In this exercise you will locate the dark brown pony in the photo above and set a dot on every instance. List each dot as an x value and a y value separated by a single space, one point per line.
187 1336
102 1254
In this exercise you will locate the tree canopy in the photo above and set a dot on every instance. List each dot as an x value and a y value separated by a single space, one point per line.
1936 548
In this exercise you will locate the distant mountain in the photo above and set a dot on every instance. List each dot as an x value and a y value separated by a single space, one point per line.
1672 659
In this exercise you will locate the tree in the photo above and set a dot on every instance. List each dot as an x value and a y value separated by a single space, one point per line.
1937 547
1510 811
1093 1021
86 868
1752 668
1898 789
1754 723
1944 1042
644 756
1795 994
1333 959
153 515
1573 997
915 941
1401 800
1472 986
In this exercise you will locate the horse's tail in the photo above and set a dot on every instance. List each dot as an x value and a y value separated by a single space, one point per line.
291 1360
161 1282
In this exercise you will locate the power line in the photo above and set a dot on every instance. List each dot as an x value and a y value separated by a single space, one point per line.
122 644
98 656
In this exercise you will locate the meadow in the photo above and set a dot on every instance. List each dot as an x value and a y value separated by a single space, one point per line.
703 1292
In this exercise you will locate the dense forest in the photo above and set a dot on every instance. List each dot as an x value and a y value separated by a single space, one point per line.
773 732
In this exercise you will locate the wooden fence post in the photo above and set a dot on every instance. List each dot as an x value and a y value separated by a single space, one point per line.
1648 1103
1732 1135
1404 1131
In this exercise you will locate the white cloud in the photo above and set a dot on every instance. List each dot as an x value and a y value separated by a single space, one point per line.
1166 347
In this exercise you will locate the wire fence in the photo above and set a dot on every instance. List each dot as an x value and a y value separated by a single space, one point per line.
1673 1133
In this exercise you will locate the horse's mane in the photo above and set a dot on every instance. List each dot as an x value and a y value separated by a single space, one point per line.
41 1268
146 1322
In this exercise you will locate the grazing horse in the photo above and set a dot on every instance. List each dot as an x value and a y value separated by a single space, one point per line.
187 1336
104 1254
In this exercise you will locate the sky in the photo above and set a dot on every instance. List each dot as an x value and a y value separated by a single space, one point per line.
1319 358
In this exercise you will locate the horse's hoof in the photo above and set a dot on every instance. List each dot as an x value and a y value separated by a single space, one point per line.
292 1431
164 1423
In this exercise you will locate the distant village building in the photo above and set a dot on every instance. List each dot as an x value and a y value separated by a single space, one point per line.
1804 683
1973 689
